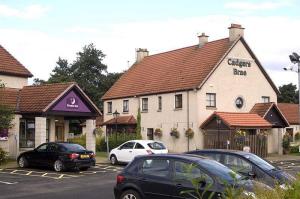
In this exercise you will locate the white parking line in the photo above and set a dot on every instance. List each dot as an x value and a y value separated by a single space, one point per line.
8 183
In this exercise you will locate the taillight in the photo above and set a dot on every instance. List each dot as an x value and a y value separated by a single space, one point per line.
120 179
73 156
149 152
92 155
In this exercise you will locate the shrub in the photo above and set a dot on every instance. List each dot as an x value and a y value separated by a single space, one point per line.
294 149
286 143
3 156
78 140
297 136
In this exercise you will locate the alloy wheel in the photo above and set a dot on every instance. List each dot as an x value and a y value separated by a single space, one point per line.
129 196
58 166
22 162
113 160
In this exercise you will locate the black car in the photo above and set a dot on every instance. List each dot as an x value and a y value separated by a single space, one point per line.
164 176
248 164
60 156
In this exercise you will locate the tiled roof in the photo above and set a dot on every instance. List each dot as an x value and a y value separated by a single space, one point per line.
9 97
290 111
261 108
121 120
240 120
37 98
11 66
180 69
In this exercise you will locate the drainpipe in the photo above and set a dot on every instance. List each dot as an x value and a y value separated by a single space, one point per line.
188 117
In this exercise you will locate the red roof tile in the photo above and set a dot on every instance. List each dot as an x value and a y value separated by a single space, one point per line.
9 97
121 120
240 120
290 111
11 66
180 69
261 108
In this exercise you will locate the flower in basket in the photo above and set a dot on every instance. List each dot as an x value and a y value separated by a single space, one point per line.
189 133
174 132
240 133
158 132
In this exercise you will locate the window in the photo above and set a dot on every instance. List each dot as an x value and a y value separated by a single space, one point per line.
156 146
156 167
159 103
239 102
27 133
53 148
144 104
138 146
128 145
237 164
125 105
265 99
109 107
42 148
178 101
211 100
150 133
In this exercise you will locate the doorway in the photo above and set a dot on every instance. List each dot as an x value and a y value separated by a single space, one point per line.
59 133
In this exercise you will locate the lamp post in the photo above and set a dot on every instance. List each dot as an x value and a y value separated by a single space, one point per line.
116 114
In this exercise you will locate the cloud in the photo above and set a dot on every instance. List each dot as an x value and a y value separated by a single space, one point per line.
254 6
29 12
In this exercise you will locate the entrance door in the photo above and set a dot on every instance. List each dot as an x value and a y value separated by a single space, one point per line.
150 133
59 133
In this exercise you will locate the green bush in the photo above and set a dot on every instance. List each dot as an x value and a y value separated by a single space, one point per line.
3 156
294 149
297 136
78 140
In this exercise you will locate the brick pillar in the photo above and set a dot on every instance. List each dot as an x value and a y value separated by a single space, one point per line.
66 129
40 131
52 129
13 137
90 137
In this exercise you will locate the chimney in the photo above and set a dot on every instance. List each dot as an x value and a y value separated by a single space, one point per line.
203 39
235 31
141 53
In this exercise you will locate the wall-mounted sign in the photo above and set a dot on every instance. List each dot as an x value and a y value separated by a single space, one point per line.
241 64
72 102
239 102
3 134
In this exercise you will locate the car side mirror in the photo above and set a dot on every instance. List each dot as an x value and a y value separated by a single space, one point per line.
119 148
251 174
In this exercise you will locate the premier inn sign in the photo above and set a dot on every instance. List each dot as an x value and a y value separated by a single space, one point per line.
241 63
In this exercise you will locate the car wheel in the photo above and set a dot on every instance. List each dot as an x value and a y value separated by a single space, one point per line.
58 166
84 168
113 160
130 194
23 162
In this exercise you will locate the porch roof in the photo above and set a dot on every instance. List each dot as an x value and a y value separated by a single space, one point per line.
121 120
238 120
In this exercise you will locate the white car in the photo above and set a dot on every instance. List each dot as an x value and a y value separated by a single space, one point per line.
128 150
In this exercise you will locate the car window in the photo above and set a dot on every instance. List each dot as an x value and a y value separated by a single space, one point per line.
156 146
260 162
138 146
73 147
156 167
52 148
42 148
237 163
188 172
128 145
214 156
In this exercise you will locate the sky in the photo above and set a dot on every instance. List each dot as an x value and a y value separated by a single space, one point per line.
38 32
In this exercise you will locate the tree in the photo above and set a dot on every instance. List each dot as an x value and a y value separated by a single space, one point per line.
6 112
37 81
62 72
138 124
288 94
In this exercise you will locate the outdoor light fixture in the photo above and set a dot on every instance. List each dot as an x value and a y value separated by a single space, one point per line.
116 115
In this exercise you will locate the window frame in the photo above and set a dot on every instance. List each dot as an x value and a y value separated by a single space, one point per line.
211 103
125 106
145 104
159 101
109 107
178 102
265 97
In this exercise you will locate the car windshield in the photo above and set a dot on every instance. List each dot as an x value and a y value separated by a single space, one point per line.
156 146
260 162
223 173
73 147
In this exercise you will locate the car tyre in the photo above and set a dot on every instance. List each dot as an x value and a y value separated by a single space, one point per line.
23 162
113 160
130 194
58 166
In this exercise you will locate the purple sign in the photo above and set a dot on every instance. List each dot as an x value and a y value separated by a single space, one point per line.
3 134
71 103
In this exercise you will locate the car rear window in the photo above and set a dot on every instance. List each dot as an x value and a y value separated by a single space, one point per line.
73 147
156 146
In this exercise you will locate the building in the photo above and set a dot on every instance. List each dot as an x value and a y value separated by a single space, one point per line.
42 113
214 89
291 112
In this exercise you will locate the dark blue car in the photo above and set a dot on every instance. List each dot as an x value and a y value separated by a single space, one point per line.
248 164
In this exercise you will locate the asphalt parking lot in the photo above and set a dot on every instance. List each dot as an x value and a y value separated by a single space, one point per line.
97 182
291 166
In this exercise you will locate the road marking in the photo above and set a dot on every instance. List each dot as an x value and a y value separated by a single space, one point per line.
8 183
30 172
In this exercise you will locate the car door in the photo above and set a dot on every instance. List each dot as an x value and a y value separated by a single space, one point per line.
125 152
52 154
38 156
154 178
184 174
139 149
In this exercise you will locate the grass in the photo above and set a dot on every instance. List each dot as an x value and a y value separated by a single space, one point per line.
101 154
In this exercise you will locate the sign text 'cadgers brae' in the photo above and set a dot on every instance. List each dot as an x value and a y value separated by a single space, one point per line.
241 63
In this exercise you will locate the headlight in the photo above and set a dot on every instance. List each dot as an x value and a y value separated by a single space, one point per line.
251 194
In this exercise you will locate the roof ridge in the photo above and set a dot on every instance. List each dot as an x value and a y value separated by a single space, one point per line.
235 112
49 84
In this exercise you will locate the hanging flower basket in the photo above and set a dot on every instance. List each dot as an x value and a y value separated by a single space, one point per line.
189 133
158 132
240 137
174 132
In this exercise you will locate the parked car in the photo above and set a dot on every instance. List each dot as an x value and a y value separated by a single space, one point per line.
128 150
60 156
166 176
248 164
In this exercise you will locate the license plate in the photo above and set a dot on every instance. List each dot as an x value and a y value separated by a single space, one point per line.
84 156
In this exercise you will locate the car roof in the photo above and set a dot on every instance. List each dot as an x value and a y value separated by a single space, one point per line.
188 157
144 141
237 152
